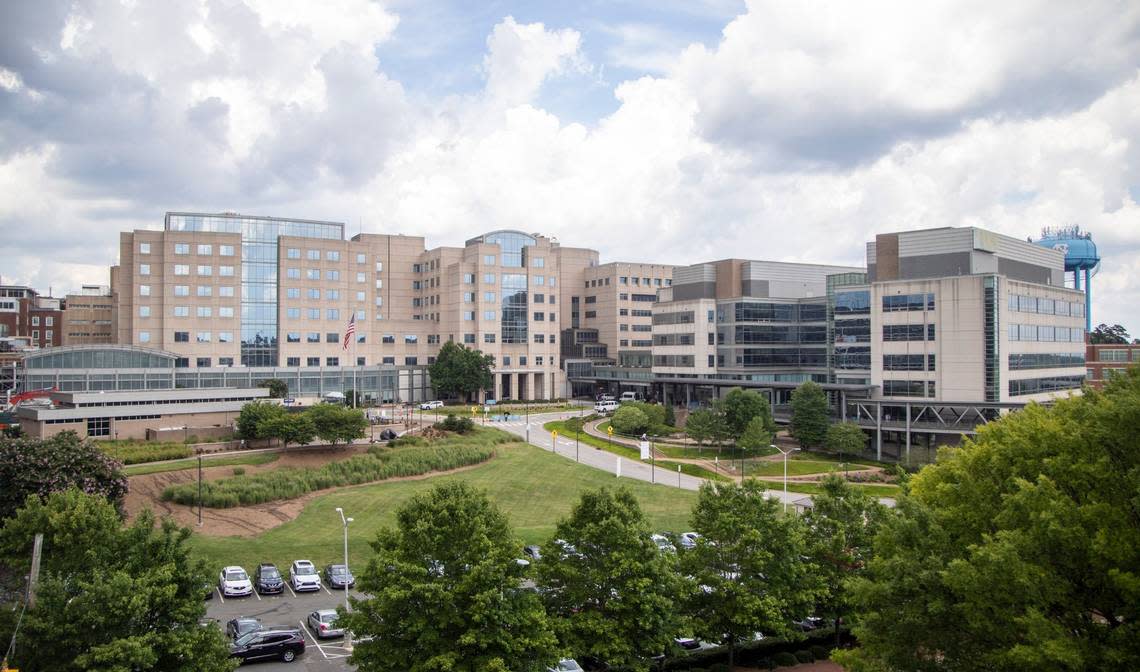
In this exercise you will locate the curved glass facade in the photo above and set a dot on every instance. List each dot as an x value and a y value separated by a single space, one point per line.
99 358
512 244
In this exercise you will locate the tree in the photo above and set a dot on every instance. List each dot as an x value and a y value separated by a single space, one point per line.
629 420
670 416
459 370
612 596
748 570
295 428
334 423
42 466
445 592
278 389
842 523
1018 550
706 425
756 435
110 597
254 416
809 414
741 406
1116 334
845 438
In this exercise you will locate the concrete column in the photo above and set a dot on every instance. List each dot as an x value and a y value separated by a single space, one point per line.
498 386
879 432
908 433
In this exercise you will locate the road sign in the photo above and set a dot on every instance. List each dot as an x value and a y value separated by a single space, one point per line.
474 410
554 435
610 430
644 445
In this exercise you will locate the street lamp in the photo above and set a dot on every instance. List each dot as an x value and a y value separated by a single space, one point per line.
785 454
345 522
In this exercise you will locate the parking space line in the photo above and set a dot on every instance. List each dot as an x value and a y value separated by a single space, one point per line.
315 642
255 594
220 596
326 589
290 589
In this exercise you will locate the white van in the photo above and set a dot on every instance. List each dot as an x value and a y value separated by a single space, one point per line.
629 396
605 407
606 397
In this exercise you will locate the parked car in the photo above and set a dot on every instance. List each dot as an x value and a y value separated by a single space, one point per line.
629 396
566 665
687 643
282 642
605 407
533 552
808 624
663 543
592 664
388 434
688 539
267 579
208 590
234 582
236 627
428 405
323 623
303 575
338 576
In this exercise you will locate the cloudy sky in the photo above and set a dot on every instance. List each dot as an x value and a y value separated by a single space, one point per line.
653 130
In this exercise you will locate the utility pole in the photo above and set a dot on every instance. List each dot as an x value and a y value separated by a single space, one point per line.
199 487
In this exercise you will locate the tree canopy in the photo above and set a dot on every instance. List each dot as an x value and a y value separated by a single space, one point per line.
740 407
809 414
1105 334
756 435
254 420
335 423
612 597
445 592
109 597
42 466
460 371
845 438
278 389
706 424
1019 550
629 420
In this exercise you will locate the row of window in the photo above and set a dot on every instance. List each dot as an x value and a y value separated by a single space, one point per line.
1045 360
315 314
184 311
315 337
1042 306
908 332
908 388
200 337
1117 354
908 302
635 281
908 362
204 270
204 249
1026 386
330 255
1046 333
49 321
511 279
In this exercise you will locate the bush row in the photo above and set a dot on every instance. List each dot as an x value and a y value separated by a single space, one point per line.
286 483
137 453
766 654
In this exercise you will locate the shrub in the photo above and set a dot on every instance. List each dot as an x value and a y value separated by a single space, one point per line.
629 420
407 440
820 652
456 424
137 452
785 659
804 656
239 471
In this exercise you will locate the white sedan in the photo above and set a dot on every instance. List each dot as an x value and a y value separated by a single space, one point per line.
233 581
428 405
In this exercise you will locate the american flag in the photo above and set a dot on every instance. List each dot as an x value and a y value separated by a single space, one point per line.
351 331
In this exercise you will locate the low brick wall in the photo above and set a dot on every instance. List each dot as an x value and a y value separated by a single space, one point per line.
183 433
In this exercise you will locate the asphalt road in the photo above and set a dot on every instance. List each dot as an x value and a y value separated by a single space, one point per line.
291 609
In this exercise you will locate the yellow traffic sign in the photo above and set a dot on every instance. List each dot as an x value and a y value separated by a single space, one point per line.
554 435
474 410
610 430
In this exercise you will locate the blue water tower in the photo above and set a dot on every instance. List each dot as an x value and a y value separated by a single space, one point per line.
1080 255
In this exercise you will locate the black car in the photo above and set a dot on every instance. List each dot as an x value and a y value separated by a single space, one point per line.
267 579
236 627
532 552
338 576
282 642
388 434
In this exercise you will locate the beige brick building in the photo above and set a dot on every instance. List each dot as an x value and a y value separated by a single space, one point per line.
88 317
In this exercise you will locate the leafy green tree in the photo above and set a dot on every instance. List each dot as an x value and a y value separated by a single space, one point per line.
748 570
1019 550
670 416
278 389
654 413
253 417
460 371
613 595
334 423
741 406
110 597
42 466
706 425
629 419
845 438
445 592
756 435
288 428
1103 333
842 523
809 414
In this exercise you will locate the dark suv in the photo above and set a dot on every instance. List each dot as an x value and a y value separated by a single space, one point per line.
275 641
267 579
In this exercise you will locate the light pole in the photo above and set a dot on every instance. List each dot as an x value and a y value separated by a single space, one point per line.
199 487
785 454
345 522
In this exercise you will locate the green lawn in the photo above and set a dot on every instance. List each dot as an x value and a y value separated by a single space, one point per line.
873 489
631 453
192 463
795 467
532 486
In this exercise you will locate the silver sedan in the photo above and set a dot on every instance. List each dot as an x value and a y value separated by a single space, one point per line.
323 624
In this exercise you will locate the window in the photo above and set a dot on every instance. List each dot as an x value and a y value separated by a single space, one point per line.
226 250
205 270
539 298
489 297
908 302
144 248
468 315
592 313
387 338
144 290
411 361
181 311
205 290
332 275
468 297
205 250
182 337
332 294
225 290
293 273
313 255
551 281
293 253
292 361
908 388
293 337
144 311
205 311
591 299
360 258
203 363
506 360
312 274
489 278
293 313
537 262
361 277
411 339
226 311
540 338
144 269
204 337
312 361
488 314
538 360
181 269
907 332
360 296
312 337
469 338
182 248
360 361
469 278
313 313
332 337
144 337
388 360
488 260
379 266
538 280
313 293
226 271
332 255
293 293
488 338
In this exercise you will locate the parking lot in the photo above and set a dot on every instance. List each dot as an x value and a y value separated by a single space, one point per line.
291 609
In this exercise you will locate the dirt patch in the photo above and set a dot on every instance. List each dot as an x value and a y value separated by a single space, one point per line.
241 521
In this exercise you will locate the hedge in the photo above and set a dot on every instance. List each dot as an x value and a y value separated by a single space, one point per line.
753 654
